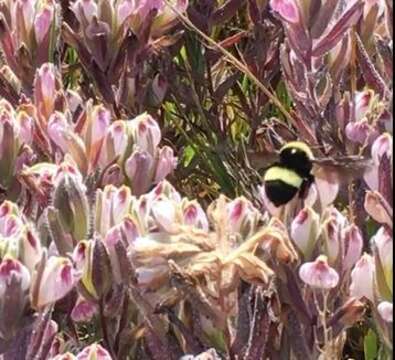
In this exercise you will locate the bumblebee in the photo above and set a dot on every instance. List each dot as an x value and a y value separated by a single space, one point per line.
296 169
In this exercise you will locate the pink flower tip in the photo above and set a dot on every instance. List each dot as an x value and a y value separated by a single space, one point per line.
287 9
318 274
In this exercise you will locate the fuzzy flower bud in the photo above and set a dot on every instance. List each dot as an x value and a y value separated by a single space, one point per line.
145 132
385 310
52 280
72 203
353 245
362 278
304 231
94 352
384 246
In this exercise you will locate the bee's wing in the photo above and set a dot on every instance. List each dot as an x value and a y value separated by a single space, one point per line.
340 169
261 160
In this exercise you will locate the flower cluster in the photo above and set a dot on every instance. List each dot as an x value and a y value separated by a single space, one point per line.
133 224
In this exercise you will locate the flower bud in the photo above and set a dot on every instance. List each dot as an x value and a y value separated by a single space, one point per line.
14 283
383 248
71 201
42 23
348 314
120 265
385 310
26 126
9 147
165 214
139 169
194 215
361 132
159 88
319 274
124 9
331 234
362 101
45 89
167 162
112 205
85 10
83 310
353 245
287 9
304 231
145 132
66 356
210 354
114 143
98 122
11 233
376 206
382 147
166 15
9 269
242 217
58 129
327 188
93 260
362 278
53 279
94 352
31 249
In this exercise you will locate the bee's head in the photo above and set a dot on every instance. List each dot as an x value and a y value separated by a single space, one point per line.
297 156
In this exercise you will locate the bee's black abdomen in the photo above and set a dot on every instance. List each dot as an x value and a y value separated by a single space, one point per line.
279 192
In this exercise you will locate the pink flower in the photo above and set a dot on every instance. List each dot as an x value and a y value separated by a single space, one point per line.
165 214
385 310
384 244
377 208
43 22
304 231
10 269
83 310
146 132
167 162
195 216
287 9
382 147
85 10
58 129
139 169
319 274
362 278
94 352
53 281
353 245
361 132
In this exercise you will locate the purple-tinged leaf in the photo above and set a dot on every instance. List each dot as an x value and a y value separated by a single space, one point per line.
369 72
225 12
259 326
41 334
297 338
386 57
322 19
339 29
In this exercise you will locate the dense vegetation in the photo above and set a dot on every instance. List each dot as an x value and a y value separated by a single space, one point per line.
133 139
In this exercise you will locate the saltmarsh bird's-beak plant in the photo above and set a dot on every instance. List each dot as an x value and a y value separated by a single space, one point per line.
133 222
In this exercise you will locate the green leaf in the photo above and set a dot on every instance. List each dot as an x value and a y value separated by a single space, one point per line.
188 155
370 345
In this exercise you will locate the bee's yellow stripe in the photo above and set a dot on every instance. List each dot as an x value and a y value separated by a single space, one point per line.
283 174
299 145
